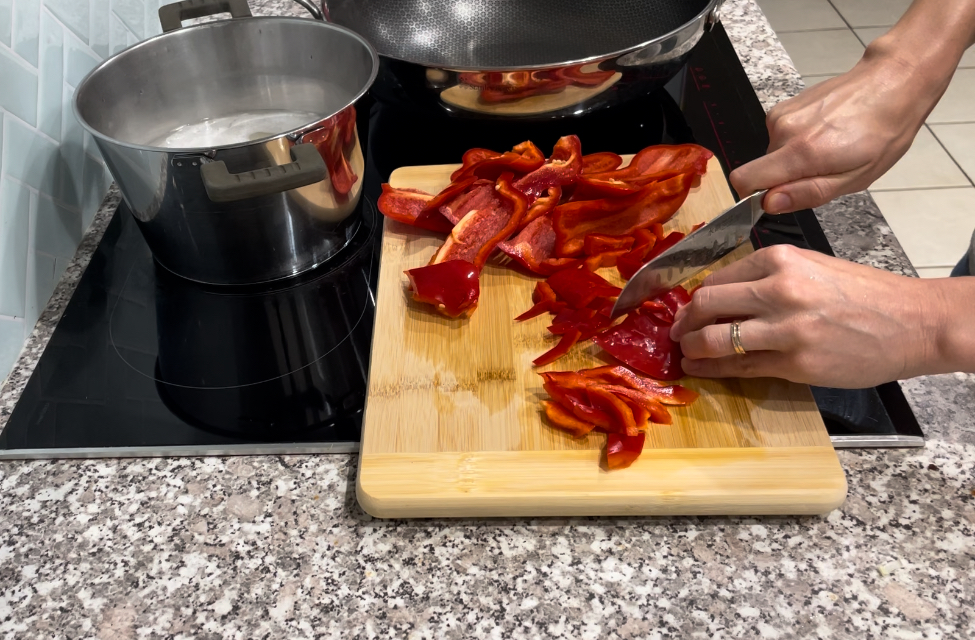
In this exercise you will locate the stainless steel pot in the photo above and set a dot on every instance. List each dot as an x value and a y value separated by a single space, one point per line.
528 60
234 142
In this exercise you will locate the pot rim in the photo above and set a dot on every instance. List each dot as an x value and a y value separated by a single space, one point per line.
709 9
292 134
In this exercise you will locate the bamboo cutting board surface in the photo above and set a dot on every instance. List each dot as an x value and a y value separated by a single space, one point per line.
453 423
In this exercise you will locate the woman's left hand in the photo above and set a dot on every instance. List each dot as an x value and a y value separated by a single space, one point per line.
811 318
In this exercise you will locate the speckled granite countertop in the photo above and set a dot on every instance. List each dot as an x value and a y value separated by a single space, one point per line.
276 547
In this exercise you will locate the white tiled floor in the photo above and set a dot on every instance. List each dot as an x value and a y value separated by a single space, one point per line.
928 197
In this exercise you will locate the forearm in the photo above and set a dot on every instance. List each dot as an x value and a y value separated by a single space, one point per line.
920 53
952 310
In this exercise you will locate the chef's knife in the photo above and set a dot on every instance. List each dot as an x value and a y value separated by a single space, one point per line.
698 250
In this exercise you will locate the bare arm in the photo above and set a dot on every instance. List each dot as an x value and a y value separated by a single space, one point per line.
841 135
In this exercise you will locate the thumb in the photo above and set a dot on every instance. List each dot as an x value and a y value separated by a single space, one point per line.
804 194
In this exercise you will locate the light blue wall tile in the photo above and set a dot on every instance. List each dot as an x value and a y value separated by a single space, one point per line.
130 39
73 13
19 88
132 13
78 61
70 183
41 280
57 230
98 34
88 213
15 207
26 29
6 20
117 34
11 342
50 95
153 27
29 157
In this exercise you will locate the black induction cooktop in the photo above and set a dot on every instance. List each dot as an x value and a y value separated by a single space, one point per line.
144 363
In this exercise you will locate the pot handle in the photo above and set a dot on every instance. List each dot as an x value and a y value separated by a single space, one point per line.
310 7
171 16
222 186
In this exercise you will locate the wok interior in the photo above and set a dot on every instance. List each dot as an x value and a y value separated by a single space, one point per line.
497 34
222 69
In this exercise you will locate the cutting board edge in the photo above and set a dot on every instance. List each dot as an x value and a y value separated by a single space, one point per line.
811 482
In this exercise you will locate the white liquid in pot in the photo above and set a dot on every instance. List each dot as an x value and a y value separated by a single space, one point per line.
233 129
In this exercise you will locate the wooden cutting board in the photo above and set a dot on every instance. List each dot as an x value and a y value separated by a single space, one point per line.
453 423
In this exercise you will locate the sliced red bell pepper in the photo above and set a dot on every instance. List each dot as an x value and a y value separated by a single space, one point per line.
601 243
674 300
452 287
587 321
532 245
404 205
613 406
545 302
561 169
604 259
643 345
629 263
655 409
551 266
580 286
615 374
622 451
566 420
569 339
454 192
575 400
524 158
600 162
663 244
477 235
657 202
663 161
543 205
471 158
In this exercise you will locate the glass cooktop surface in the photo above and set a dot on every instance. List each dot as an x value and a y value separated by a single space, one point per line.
145 363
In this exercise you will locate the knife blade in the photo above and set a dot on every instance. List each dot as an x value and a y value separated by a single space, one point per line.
688 257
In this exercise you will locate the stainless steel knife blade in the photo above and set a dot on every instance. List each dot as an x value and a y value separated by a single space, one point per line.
698 250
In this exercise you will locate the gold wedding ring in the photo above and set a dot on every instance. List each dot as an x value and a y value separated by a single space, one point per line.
736 338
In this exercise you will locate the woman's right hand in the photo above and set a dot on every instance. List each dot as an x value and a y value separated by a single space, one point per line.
839 136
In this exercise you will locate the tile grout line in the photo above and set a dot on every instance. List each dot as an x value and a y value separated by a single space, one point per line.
942 145
19 59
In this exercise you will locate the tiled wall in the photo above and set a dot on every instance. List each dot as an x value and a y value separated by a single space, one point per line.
51 176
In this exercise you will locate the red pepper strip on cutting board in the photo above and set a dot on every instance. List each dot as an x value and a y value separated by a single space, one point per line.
622 451
561 169
452 287
478 233
629 263
655 409
601 243
434 210
563 419
657 202
574 399
471 158
543 205
600 162
524 158
604 259
675 395
643 345
545 302
533 244
404 205
613 406
569 339
581 286
659 160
